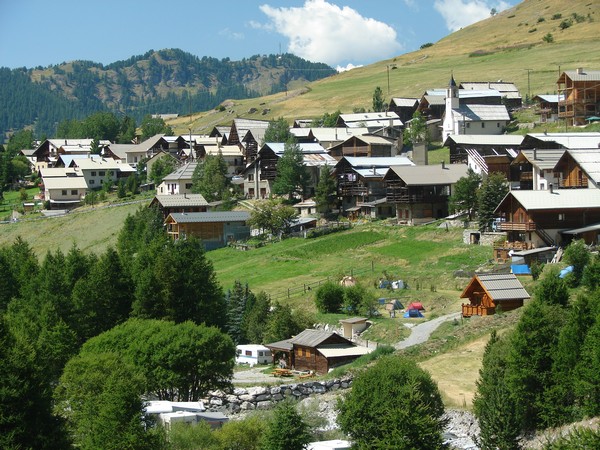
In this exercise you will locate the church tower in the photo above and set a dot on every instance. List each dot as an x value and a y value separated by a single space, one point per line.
449 126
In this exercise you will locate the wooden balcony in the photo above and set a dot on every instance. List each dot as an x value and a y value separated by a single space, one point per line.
567 184
516 226
473 310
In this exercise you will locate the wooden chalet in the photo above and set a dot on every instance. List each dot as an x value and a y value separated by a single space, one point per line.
580 92
316 351
216 229
486 292
546 106
534 169
579 168
180 203
383 123
361 180
404 107
486 148
365 146
508 91
247 133
539 218
420 193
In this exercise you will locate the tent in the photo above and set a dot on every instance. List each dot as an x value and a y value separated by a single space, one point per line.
416 305
566 271
520 269
393 305
412 314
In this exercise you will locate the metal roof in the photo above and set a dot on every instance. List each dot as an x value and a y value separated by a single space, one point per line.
373 119
337 133
305 147
556 199
487 139
97 163
210 217
369 162
65 183
184 172
354 320
501 286
594 227
481 112
405 102
534 251
570 140
181 200
286 344
589 161
430 175
501 86
313 338
333 351
543 159
550 98
582 75
376 172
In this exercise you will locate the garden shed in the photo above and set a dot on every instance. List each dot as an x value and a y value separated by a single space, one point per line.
488 291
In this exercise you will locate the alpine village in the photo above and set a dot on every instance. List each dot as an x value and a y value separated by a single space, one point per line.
398 256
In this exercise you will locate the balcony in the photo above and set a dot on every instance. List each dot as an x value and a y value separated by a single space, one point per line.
477 310
566 184
516 226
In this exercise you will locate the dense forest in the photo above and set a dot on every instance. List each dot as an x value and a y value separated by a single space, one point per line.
159 82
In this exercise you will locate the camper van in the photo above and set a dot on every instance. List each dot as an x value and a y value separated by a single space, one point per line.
253 354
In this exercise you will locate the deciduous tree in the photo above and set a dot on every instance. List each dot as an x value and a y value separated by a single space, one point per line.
292 176
464 197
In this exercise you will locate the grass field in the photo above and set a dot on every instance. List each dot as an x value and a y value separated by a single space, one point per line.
498 48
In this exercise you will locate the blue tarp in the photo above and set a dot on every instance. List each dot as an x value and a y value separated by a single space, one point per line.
412 313
566 271
520 269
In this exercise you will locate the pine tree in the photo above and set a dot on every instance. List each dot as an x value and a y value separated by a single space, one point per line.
292 176
325 195
287 430
493 404
493 189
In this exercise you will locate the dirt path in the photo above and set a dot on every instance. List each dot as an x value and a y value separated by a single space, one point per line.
420 333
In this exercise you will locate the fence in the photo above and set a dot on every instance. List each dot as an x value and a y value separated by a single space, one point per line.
294 291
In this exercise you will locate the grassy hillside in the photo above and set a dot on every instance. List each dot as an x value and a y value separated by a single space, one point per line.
500 47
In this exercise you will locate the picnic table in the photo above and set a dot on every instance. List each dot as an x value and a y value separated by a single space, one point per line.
280 372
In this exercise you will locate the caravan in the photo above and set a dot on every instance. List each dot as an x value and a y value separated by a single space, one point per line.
253 354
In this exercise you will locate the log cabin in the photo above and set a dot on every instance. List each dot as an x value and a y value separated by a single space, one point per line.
488 291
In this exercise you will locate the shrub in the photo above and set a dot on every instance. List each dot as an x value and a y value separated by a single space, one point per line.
426 45
533 30
329 297
541 19
565 24
556 16
548 38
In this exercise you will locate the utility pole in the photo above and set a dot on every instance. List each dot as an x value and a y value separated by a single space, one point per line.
528 85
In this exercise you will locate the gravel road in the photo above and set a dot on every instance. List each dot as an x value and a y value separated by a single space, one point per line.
420 333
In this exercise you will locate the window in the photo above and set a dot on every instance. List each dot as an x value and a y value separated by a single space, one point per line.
93 173
300 351
260 353
73 191
64 192
482 124
468 124
248 353
91 181
497 124
250 177
561 216
188 185
102 173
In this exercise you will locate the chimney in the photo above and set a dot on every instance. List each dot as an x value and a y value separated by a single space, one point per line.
535 153
374 170
579 70
443 164
551 187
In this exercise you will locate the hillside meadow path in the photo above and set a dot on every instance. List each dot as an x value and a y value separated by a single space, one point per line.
420 333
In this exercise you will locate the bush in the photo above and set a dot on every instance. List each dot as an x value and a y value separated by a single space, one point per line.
578 438
556 16
329 298
548 38
565 24
541 19
426 45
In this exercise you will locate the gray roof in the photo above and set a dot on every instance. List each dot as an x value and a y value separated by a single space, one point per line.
372 119
589 161
487 139
481 112
377 161
543 159
181 200
550 98
503 286
184 172
557 199
311 338
570 140
430 175
405 102
534 251
209 217
286 344
583 75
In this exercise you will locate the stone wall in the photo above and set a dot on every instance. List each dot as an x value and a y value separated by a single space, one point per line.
265 397
484 238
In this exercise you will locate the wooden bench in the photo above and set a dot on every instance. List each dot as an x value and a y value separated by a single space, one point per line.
282 373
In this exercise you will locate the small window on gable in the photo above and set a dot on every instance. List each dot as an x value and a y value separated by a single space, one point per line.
64 192
93 173
561 216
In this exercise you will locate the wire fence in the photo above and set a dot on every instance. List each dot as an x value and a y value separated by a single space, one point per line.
305 288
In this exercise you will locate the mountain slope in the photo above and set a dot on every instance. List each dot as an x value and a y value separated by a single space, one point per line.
165 81
500 47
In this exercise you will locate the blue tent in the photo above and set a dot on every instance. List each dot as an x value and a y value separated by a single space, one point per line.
520 269
412 314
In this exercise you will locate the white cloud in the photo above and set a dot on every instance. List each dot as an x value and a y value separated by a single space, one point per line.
324 32
233 35
347 67
461 13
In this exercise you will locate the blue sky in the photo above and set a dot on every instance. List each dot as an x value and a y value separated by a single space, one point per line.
341 33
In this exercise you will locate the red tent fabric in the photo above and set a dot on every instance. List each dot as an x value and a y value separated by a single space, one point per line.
416 305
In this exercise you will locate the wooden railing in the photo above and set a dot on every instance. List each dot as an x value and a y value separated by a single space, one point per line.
471 310
516 226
